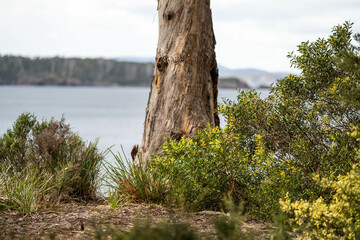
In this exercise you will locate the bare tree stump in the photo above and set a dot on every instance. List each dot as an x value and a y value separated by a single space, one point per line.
183 94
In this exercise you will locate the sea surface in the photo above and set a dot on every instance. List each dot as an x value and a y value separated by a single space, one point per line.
115 115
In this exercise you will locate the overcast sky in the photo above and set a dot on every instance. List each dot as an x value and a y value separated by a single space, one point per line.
249 33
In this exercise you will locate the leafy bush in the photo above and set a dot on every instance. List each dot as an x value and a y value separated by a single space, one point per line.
15 143
305 120
204 169
273 146
36 151
131 182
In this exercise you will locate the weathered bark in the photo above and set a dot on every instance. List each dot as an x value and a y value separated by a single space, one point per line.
183 94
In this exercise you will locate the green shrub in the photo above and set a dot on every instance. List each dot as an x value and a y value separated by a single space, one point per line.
14 144
49 150
305 120
133 182
204 169
271 147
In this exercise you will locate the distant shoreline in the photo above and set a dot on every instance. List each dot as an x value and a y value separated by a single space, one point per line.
57 71
108 86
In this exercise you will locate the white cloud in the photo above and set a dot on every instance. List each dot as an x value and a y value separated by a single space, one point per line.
76 28
260 32
250 33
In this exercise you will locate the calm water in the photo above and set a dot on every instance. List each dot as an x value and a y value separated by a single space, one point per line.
115 115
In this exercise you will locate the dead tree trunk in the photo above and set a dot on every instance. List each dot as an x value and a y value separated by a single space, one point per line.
183 94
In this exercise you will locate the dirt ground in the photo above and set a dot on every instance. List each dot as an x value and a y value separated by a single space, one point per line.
81 220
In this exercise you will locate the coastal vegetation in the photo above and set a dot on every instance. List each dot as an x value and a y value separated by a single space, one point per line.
291 158
44 163
275 150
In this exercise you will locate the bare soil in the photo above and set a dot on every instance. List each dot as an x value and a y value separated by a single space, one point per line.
80 220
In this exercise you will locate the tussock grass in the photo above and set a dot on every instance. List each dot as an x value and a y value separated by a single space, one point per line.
23 191
128 181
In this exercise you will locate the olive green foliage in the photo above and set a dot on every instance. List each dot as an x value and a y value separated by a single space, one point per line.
272 146
133 182
338 218
47 155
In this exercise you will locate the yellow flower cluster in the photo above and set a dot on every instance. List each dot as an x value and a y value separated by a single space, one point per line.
339 219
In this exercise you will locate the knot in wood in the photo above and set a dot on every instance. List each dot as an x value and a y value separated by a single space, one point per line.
176 58
168 15
162 63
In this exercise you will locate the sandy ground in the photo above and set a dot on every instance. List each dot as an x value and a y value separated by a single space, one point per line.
81 220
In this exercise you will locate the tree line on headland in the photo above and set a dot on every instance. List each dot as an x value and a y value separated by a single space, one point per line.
16 70
59 71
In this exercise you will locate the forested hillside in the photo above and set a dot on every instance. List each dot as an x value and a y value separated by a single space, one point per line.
15 70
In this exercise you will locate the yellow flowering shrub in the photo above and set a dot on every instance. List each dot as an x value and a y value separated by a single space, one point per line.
272 146
204 169
337 218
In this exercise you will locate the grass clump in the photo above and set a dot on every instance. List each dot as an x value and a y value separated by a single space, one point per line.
128 181
46 161
23 191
